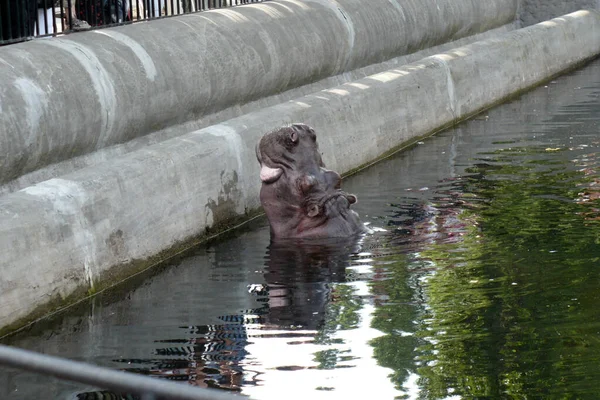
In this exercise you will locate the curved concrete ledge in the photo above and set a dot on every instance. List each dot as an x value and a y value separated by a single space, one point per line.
102 155
69 96
66 236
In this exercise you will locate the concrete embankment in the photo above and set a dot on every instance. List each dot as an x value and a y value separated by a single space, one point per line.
84 230
65 97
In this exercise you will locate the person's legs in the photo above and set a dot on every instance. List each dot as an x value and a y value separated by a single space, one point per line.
116 10
72 21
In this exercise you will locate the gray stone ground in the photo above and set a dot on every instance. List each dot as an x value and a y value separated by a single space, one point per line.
534 11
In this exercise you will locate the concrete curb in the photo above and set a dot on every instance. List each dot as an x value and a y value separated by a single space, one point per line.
66 236
73 95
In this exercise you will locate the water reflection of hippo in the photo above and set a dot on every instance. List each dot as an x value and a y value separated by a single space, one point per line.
301 277
301 198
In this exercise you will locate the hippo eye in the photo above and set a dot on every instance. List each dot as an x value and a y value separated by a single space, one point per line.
294 136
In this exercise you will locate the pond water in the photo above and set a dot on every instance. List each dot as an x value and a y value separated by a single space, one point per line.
484 284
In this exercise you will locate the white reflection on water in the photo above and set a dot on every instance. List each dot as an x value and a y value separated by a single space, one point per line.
301 381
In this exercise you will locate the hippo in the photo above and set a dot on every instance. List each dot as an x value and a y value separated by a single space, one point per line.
301 198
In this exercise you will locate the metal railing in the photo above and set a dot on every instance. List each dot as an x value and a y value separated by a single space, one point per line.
22 20
118 381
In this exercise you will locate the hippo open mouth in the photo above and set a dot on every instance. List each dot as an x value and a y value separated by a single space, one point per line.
269 175
299 195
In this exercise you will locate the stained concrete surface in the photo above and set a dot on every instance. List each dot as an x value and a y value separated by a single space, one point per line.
534 11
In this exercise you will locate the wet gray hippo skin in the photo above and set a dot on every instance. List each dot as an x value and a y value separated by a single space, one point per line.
302 199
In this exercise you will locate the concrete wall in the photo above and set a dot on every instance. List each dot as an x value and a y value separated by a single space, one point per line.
89 159
69 96
86 229
534 11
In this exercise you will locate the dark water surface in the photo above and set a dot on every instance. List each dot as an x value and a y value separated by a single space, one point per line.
485 283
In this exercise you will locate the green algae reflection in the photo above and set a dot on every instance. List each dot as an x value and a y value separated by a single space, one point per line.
511 309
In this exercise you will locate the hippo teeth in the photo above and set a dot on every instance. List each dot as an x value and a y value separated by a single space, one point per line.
269 175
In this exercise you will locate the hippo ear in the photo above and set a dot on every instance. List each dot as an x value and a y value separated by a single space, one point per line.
333 179
294 136
351 198
313 210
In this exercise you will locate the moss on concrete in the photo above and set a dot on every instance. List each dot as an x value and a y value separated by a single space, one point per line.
121 274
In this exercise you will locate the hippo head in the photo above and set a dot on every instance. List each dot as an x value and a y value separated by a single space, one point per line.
302 199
